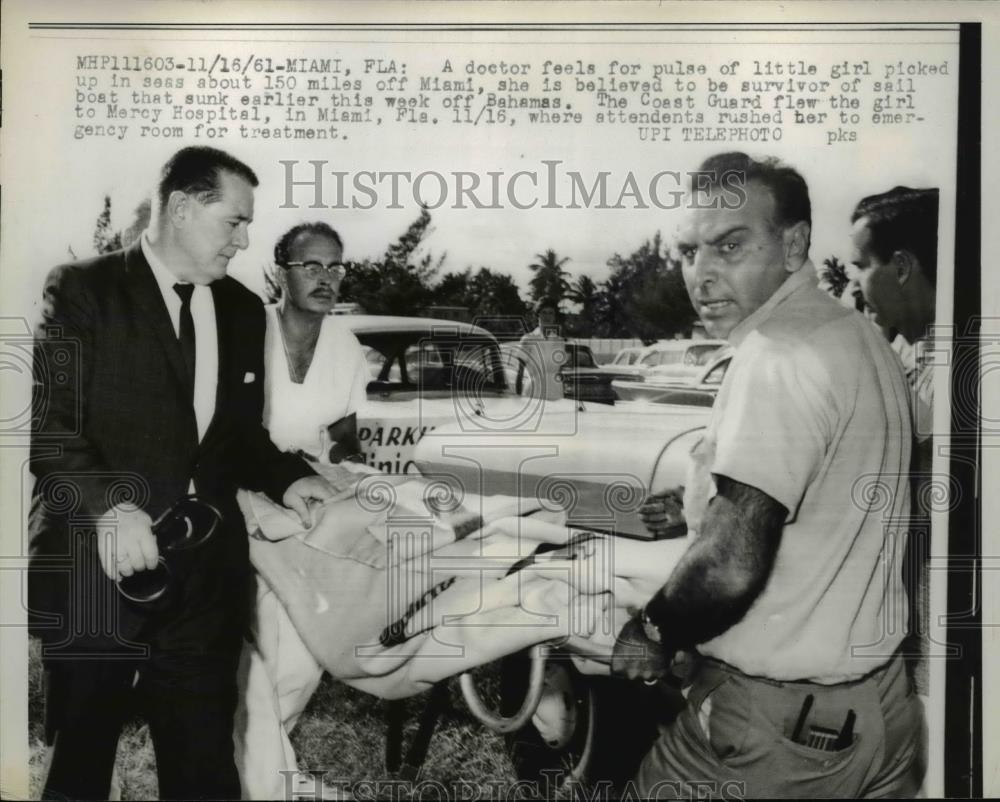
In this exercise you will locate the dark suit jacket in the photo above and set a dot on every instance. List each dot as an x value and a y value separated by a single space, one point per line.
113 421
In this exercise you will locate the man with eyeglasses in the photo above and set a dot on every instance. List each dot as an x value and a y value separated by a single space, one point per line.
316 369
317 377
149 375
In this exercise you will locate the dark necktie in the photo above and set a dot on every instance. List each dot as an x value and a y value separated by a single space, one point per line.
186 333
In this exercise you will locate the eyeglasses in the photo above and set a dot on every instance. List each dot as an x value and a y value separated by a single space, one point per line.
187 524
335 271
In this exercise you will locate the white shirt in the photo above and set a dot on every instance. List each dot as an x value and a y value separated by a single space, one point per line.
206 341
296 415
813 412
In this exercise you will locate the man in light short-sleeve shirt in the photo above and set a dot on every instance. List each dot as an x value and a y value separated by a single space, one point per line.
791 591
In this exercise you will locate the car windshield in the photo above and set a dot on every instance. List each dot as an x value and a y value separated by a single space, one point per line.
427 362
671 357
716 374
700 355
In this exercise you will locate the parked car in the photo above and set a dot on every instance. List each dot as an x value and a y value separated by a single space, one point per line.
582 378
426 372
700 390
626 362
676 358
626 357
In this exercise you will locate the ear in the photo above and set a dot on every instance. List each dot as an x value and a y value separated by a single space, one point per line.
796 240
905 264
281 278
178 207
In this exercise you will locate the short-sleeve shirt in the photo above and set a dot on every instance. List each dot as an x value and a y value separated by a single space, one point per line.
813 412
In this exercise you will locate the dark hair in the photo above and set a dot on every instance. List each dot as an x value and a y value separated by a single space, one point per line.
547 303
284 245
195 171
734 170
903 219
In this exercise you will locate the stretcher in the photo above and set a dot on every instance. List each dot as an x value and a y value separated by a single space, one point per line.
400 583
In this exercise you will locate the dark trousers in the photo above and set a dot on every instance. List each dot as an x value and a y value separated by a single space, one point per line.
187 700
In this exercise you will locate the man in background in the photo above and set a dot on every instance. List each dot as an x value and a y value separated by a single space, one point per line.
149 378
894 238
539 355
548 320
894 263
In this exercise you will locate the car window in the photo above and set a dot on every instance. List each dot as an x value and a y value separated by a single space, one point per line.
423 355
671 357
716 374
650 359
420 359
700 355
376 361
477 363
579 356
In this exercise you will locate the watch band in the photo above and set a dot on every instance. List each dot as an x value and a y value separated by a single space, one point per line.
650 627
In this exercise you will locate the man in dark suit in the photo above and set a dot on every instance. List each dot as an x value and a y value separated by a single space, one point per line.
149 386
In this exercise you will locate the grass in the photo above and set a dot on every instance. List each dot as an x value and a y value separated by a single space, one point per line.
340 736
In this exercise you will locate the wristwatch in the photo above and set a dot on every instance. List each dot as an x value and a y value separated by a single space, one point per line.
649 628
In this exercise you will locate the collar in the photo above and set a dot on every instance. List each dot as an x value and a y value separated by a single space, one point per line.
163 274
803 278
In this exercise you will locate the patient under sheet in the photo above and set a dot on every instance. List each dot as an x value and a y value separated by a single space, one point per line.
398 584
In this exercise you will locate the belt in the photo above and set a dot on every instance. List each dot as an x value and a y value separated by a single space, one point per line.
875 674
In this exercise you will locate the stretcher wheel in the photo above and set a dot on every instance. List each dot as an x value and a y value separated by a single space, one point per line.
519 716
586 730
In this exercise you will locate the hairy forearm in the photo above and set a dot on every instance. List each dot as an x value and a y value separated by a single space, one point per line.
724 570
265 467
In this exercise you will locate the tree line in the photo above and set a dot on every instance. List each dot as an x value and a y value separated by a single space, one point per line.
643 297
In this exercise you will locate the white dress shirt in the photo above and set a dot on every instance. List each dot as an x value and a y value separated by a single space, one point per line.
206 342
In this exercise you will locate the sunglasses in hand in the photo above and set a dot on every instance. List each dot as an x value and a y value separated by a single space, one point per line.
187 524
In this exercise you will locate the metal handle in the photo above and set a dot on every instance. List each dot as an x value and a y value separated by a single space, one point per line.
504 724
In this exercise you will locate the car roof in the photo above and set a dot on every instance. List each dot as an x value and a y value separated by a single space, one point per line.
364 324
516 345
678 345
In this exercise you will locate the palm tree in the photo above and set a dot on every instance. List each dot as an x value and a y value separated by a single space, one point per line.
833 276
583 291
550 282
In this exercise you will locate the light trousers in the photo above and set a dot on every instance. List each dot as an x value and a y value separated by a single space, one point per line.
734 739
278 677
